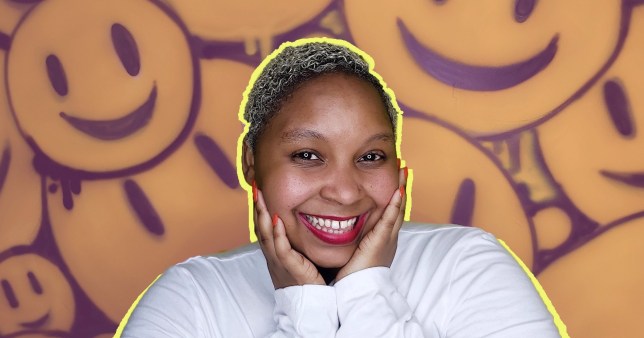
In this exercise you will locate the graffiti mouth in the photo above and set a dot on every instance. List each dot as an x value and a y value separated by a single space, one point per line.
116 128
476 78
635 180
36 323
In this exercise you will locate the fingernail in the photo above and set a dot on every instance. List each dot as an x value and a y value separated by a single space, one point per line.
275 218
406 172
402 191
254 191
398 162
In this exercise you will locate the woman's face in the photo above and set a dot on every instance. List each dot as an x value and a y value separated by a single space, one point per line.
327 165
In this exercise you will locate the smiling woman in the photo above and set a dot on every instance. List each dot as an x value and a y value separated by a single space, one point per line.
333 258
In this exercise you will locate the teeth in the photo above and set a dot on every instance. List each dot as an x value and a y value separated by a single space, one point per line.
332 226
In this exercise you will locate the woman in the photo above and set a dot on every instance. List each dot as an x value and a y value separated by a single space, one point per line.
333 259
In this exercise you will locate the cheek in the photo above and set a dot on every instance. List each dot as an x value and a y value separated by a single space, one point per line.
381 188
284 190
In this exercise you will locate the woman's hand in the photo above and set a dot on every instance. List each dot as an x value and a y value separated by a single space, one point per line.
378 246
286 266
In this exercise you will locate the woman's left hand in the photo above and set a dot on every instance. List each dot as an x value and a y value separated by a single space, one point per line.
378 246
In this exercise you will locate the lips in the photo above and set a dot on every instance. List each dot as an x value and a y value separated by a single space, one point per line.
475 78
632 179
334 233
119 128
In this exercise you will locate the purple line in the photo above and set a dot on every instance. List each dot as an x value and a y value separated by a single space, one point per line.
217 160
477 78
463 209
143 208
635 179
4 165
618 107
5 41
115 129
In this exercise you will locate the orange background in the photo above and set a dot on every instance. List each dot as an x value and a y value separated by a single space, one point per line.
118 159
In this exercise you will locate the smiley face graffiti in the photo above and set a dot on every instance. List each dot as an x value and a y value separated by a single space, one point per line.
488 67
457 181
187 205
34 295
599 164
116 94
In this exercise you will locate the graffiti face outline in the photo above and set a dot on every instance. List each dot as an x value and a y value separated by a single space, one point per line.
115 96
488 67
34 295
597 166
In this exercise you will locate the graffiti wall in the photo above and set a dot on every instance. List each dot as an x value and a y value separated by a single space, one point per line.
118 137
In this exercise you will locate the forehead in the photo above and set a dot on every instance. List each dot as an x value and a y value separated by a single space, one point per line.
332 105
334 96
339 91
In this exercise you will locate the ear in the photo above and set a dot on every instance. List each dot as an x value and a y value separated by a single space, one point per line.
248 163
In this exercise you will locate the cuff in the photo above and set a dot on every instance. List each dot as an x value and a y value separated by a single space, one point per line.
307 310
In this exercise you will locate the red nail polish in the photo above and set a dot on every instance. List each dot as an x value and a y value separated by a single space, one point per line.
402 191
254 191
406 172
275 220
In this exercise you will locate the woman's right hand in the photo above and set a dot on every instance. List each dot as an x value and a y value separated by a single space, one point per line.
286 266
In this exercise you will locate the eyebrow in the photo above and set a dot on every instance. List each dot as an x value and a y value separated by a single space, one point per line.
296 135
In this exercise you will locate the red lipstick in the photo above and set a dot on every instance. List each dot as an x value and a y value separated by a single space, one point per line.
335 239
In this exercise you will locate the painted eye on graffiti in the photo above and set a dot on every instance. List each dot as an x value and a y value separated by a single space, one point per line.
56 75
619 108
126 49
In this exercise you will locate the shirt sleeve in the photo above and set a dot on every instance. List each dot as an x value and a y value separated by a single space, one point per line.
305 311
369 305
167 309
492 295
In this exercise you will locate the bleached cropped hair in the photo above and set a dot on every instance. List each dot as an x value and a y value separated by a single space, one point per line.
291 68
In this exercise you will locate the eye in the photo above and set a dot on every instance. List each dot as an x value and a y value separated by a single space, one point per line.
35 284
306 155
618 107
126 49
523 9
56 74
8 292
371 157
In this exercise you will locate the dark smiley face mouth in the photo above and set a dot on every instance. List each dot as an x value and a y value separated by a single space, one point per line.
36 323
632 179
475 78
116 128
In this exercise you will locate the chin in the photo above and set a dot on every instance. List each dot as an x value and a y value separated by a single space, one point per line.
332 257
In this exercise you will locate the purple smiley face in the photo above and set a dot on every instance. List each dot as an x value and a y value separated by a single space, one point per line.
113 91
489 67
34 296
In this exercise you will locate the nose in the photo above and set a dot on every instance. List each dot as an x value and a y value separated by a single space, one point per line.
342 185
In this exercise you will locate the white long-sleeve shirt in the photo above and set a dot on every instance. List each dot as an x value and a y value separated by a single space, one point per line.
445 281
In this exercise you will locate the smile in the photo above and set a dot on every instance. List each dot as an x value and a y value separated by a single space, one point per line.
117 128
476 78
334 230
636 180
36 323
